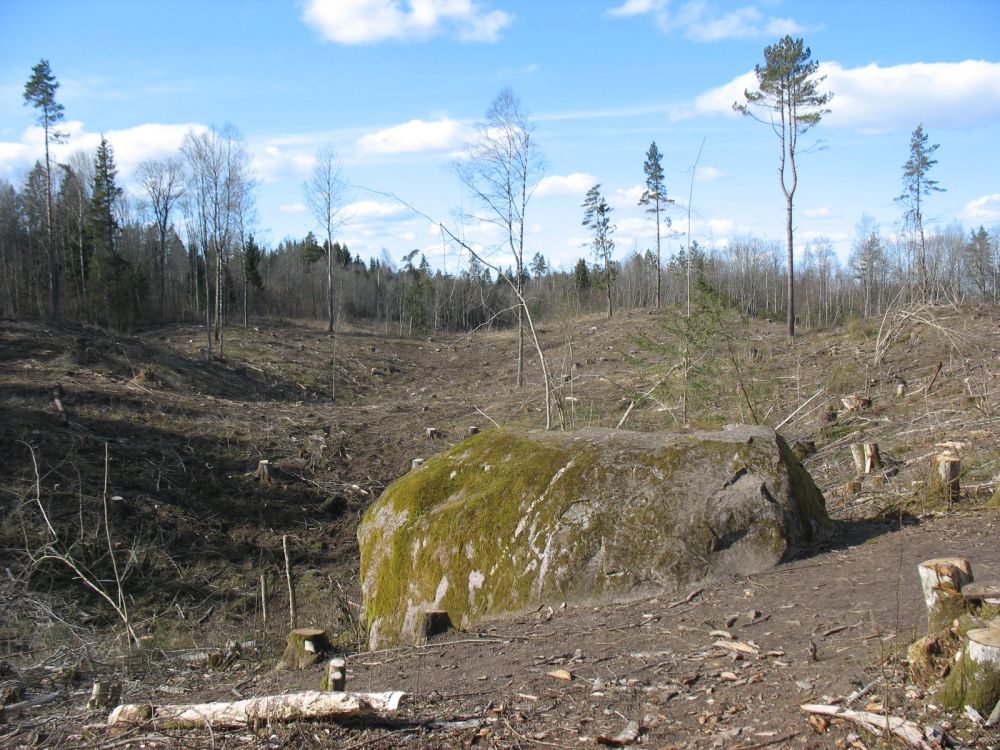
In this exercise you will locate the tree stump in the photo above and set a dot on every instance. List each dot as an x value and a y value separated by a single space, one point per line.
856 403
432 622
930 658
975 678
335 676
473 430
866 457
416 463
104 695
306 647
264 471
944 477
941 580
430 433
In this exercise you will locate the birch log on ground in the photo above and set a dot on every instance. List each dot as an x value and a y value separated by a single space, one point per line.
307 704
941 580
907 731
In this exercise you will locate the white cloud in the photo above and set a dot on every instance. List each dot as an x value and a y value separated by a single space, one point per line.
292 208
372 209
577 183
878 99
415 135
817 213
274 163
986 208
638 7
368 21
699 21
627 197
130 146
718 100
950 94
708 174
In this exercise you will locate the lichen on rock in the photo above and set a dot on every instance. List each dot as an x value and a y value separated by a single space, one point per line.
507 520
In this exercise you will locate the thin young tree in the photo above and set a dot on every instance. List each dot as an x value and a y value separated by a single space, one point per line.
40 93
324 193
654 197
501 168
597 218
917 185
163 182
220 187
788 99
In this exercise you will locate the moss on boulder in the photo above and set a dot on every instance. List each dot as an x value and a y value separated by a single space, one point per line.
508 520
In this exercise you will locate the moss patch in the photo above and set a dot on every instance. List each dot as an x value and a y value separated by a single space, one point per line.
507 519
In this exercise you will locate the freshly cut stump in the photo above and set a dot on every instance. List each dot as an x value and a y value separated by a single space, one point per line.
942 580
975 678
335 676
306 647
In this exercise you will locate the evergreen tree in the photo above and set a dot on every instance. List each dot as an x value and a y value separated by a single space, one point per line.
788 92
597 218
311 250
916 186
40 93
654 197
109 278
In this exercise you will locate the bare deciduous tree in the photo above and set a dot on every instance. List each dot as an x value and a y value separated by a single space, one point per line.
219 184
501 169
324 193
162 181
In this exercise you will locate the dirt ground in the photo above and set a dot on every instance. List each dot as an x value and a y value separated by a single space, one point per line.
724 665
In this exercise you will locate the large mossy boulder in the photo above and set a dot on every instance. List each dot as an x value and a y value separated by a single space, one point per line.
508 520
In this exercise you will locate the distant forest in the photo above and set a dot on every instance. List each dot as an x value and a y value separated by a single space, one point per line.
74 245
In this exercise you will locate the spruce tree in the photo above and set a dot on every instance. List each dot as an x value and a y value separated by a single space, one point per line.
108 278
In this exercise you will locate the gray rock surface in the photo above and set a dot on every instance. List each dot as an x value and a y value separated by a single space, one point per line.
510 520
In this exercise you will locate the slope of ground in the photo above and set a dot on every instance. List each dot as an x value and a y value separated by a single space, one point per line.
193 528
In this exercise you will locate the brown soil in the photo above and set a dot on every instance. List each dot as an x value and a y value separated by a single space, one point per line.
198 529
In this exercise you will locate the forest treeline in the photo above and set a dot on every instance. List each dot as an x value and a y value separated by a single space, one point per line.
116 263
181 247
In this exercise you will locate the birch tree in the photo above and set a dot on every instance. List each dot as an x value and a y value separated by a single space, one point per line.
324 193
501 168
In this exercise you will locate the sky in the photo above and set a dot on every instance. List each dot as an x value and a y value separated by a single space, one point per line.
397 86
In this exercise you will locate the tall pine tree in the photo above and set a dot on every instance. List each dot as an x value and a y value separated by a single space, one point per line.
916 187
40 93
597 218
788 97
654 197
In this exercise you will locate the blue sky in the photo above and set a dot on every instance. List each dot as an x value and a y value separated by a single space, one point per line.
396 85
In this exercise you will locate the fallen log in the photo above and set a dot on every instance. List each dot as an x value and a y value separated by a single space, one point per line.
909 732
306 704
